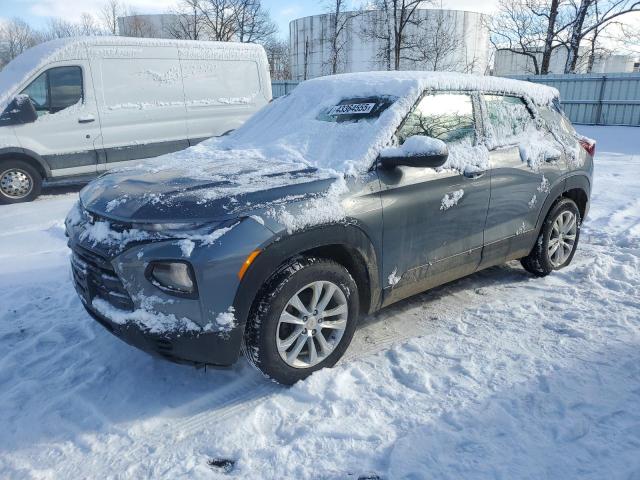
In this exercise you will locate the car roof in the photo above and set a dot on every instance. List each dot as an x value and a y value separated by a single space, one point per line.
399 82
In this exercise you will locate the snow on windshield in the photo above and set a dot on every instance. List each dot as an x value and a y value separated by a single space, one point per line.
290 126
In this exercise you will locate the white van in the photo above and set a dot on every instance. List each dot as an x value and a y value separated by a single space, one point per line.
73 108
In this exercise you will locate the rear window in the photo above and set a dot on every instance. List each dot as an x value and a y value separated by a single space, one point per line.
509 118
354 110
555 117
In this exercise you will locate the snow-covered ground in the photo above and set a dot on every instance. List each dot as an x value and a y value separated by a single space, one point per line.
499 375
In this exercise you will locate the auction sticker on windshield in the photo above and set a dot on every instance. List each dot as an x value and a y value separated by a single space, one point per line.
352 109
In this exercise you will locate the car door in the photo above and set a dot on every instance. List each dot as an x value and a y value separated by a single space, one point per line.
434 218
67 132
525 161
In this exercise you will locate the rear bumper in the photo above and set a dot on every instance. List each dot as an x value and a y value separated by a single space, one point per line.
197 349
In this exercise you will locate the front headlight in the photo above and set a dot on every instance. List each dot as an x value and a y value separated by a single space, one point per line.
176 278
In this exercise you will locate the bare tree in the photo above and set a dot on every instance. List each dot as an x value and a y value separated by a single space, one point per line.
534 29
241 20
190 22
136 25
516 29
394 24
437 47
307 54
60 28
108 15
279 58
219 17
254 24
16 36
590 16
339 19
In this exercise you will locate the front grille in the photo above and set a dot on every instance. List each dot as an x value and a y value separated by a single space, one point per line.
94 277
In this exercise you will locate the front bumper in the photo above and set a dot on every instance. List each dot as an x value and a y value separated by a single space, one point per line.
117 277
196 349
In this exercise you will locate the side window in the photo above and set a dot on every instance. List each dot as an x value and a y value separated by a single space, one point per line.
445 116
555 119
65 84
508 117
38 92
56 89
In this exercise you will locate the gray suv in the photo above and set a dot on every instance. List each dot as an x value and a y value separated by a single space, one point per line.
350 194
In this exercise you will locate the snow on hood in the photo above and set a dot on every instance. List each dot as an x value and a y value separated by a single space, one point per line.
203 182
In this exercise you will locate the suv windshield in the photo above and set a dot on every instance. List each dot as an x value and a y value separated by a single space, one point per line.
324 127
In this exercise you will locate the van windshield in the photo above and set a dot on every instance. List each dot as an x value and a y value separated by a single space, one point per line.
20 69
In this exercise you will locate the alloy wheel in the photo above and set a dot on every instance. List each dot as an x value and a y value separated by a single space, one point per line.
563 238
312 324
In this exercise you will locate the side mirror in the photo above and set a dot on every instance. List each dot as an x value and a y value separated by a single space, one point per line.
21 110
417 151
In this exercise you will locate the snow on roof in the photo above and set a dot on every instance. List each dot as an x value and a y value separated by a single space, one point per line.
28 63
539 94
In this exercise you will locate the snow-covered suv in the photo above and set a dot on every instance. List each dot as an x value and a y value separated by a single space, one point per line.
350 194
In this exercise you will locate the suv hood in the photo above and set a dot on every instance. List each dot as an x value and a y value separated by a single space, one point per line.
222 188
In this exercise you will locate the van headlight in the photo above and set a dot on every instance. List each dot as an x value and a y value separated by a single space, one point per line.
175 278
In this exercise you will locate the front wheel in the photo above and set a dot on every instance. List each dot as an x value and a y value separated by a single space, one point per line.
303 321
19 182
558 240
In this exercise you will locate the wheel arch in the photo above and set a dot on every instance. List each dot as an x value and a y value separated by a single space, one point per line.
575 187
346 244
28 156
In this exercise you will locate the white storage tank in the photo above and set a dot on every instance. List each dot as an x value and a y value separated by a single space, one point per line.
450 40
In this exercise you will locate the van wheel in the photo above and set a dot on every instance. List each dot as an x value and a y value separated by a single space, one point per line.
19 182
558 240
303 321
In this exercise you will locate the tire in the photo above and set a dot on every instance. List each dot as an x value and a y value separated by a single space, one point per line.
541 261
19 182
266 331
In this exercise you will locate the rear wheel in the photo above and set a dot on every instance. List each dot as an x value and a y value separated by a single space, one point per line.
19 182
558 240
304 320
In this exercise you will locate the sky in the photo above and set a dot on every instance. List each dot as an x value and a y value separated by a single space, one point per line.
282 12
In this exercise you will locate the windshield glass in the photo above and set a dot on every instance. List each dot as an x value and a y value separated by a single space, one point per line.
333 123
354 110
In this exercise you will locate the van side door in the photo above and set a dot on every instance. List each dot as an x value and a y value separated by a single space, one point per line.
525 162
67 132
434 219
140 100
220 94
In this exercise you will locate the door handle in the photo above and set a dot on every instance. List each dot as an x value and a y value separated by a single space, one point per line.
87 119
552 158
474 175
